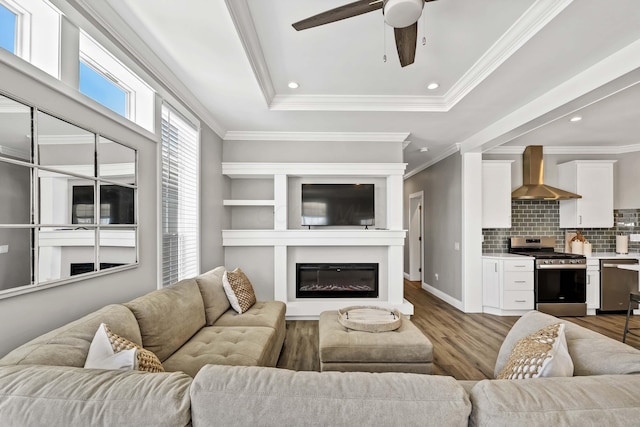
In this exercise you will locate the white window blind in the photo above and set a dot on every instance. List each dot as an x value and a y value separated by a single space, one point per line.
179 197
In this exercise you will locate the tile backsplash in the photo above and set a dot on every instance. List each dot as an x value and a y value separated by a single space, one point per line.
542 218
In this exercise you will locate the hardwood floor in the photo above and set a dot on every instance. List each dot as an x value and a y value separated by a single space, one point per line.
465 346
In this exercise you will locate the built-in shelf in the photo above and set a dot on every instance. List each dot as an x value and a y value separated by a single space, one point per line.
286 240
228 202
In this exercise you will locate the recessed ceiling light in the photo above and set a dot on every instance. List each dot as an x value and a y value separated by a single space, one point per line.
293 85
575 119
433 86
424 149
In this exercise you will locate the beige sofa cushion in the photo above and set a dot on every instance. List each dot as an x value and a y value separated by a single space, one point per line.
65 396
592 353
263 313
213 295
248 346
279 397
69 344
577 401
169 316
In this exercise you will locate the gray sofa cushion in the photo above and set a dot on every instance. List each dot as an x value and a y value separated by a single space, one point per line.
169 316
213 295
279 397
69 344
249 346
66 396
578 401
592 353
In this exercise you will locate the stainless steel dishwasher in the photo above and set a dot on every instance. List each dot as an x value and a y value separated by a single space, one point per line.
616 284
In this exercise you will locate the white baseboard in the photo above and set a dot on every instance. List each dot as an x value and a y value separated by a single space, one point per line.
444 297
406 276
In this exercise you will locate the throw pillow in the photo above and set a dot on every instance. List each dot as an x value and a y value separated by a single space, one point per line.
541 354
239 290
111 351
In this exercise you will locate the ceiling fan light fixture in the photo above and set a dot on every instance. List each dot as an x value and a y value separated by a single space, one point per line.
402 13
293 85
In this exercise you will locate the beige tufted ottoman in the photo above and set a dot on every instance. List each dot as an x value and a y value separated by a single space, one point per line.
404 350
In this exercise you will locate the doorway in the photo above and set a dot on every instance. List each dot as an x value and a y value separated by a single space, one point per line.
416 223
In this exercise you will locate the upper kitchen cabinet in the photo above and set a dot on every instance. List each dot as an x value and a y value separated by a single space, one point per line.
593 180
496 193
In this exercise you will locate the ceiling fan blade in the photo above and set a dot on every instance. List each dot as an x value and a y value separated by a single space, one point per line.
339 13
406 40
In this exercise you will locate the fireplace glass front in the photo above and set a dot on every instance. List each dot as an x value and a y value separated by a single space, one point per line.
352 280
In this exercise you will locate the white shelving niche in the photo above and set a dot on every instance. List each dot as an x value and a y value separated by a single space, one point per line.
252 186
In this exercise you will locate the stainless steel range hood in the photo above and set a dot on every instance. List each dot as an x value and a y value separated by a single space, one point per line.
533 187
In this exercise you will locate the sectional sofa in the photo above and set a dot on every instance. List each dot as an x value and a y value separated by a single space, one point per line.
223 374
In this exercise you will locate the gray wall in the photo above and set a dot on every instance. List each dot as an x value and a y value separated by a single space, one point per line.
213 189
26 316
442 186
15 267
312 151
626 174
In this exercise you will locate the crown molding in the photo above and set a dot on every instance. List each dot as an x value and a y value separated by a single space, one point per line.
8 106
243 21
15 152
66 139
529 24
358 103
109 21
571 149
317 136
531 21
449 151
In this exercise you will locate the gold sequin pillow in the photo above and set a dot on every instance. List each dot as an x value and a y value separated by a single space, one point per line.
544 353
111 351
239 290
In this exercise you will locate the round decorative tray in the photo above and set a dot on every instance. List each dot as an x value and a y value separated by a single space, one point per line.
369 318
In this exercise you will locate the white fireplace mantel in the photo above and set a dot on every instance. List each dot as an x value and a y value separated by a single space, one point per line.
284 239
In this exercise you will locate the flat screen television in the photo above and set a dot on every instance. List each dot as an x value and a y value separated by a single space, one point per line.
338 204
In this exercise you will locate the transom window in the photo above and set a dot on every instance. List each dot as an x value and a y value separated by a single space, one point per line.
103 90
7 29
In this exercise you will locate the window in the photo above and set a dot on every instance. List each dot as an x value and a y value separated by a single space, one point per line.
101 89
7 29
30 29
180 208
108 81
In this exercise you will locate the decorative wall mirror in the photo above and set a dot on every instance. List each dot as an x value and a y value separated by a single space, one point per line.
68 202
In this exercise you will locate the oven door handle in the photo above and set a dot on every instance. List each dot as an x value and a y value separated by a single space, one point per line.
562 267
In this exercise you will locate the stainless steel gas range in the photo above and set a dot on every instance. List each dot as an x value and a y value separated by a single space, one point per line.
560 279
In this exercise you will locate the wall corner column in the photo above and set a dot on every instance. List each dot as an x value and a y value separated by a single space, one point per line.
472 232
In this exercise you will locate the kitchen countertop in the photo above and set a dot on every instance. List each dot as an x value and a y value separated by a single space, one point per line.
504 255
613 255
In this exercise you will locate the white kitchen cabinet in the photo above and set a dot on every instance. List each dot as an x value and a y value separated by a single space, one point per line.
496 193
507 285
593 180
593 286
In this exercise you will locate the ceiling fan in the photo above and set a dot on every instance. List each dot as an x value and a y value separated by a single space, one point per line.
402 15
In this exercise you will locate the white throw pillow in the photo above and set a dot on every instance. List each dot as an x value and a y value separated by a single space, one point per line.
541 354
102 356
111 351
